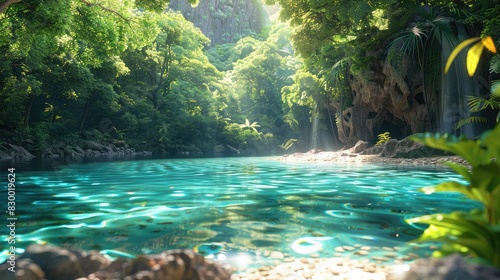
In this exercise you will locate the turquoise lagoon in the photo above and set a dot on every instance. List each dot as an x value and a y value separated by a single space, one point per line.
226 207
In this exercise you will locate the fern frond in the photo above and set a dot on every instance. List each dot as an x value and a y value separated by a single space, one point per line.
495 63
288 144
471 120
476 103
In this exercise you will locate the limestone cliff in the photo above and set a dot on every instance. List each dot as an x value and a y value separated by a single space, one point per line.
385 99
224 21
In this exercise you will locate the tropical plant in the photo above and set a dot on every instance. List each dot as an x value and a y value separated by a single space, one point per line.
253 126
473 54
383 137
477 104
475 233
288 144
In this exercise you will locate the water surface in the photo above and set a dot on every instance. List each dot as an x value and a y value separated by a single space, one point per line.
245 205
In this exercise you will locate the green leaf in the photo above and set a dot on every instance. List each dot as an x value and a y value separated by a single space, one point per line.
471 120
473 56
468 149
450 186
193 3
469 230
459 169
455 52
489 139
495 89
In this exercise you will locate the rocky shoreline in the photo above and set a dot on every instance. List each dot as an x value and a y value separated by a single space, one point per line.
48 262
86 150
400 153
40 262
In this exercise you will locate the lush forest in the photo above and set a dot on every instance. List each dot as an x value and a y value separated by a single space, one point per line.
137 73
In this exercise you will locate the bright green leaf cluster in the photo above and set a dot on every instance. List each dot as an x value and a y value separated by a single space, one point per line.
476 233
383 137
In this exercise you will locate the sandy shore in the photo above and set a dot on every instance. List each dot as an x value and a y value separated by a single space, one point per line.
342 265
350 157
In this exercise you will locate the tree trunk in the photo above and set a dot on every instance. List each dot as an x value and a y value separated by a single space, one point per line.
85 113
6 4
27 113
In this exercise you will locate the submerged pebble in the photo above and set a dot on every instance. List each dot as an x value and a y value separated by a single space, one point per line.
319 268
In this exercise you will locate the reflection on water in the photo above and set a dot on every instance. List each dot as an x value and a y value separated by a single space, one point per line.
244 205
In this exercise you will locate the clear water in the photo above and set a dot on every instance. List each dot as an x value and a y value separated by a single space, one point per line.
248 206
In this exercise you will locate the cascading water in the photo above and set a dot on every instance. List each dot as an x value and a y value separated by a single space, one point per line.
315 129
455 87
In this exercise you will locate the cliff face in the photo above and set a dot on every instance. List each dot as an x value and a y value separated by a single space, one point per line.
385 99
224 21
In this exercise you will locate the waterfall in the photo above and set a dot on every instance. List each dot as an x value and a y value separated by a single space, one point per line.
313 144
455 87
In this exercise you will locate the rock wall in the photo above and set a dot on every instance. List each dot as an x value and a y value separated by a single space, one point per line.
87 149
224 21
386 98
14 152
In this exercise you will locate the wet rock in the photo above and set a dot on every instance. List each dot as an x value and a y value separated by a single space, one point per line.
25 270
14 152
451 267
360 146
404 148
49 262
56 263
92 261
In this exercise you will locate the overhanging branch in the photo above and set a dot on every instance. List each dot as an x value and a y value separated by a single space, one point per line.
104 8
6 4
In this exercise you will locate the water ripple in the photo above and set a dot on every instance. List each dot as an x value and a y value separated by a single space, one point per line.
244 203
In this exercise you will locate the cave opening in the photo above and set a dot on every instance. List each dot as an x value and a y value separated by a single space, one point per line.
386 126
419 97
372 115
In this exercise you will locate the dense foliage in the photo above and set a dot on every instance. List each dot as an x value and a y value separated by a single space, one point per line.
114 71
477 232
128 71
339 39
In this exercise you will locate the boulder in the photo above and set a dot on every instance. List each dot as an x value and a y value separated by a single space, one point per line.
404 148
40 262
25 270
449 268
56 263
15 152
360 146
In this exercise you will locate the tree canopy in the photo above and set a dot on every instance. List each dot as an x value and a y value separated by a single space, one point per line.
136 72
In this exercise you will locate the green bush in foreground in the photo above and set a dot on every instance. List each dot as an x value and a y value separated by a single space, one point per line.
476 233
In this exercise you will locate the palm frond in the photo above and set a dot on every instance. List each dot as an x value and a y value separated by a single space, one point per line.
495 88
495 63
477 103
471 120
288 144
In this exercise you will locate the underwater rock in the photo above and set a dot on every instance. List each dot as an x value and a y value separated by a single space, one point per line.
50 262
25 270
56 263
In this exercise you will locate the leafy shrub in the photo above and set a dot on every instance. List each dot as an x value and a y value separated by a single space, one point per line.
382 138
476 233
